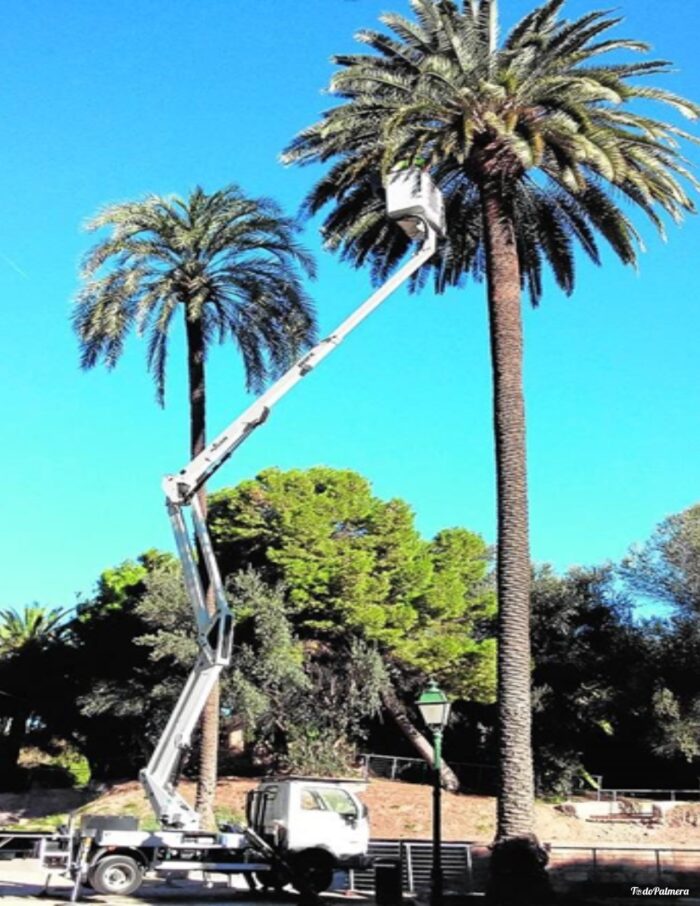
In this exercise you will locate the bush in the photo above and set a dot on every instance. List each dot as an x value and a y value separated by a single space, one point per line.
557 773
224 814
76 765
319 752
66 768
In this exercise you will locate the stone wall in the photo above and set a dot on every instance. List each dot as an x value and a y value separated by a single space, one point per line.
621 869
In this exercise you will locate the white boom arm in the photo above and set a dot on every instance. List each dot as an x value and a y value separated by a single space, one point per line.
412 200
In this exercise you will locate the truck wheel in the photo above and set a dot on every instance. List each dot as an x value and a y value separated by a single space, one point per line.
313 872
275 879
116 874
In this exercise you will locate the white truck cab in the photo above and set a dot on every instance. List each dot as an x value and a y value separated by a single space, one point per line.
298 814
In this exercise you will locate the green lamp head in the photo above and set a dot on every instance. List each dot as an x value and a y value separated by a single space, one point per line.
434 707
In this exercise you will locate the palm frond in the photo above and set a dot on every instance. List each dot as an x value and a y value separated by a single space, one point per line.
538 21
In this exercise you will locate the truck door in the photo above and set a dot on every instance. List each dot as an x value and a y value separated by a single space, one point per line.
330 818
262 809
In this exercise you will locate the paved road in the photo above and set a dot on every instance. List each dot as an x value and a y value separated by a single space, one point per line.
22 882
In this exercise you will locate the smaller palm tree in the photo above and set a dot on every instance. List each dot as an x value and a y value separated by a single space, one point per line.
34 626
231 267
23 636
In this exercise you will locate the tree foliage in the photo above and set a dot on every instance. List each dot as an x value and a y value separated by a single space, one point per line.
614 695
354 566
306 706
544 114
667 567
677 732
296 704
34 627
229 263
27 642
86 685
584 645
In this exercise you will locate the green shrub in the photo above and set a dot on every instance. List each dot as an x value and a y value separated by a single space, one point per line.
318 751
224 814
61 767
77 766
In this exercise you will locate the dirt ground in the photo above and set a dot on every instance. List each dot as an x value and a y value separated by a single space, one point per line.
397 810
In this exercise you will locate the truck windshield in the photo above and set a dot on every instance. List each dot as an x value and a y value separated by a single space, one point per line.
328 800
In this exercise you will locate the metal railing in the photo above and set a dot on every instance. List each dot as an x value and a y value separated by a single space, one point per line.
612 795
481 778
471 775
465 865
625 865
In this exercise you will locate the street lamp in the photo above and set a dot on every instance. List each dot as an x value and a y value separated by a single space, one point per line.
435 711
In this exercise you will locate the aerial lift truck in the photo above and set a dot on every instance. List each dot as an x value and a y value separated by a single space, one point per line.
299 829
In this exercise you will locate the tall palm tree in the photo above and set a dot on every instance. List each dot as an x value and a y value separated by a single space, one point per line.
538 147
232 268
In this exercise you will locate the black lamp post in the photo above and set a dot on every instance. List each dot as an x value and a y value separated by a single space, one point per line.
435 711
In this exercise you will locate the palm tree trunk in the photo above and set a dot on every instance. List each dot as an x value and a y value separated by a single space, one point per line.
209 738
392 704
11 747
517 872
516 787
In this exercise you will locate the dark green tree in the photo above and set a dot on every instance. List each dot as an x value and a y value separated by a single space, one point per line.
306 702
231 268
355 568
614 695
118 714
85 683
535 143
303 706
585 647
26 638
666 568
678 730
676 703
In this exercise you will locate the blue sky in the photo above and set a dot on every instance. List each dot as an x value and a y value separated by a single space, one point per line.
108 102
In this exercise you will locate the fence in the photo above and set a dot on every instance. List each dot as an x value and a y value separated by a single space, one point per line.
465 866
610 795
482 778
477 778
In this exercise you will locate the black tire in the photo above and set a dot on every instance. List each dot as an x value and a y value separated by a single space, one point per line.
313 872
275 879
116 875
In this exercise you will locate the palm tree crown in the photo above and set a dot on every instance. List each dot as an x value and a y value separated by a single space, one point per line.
233 263
35 625
539 116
